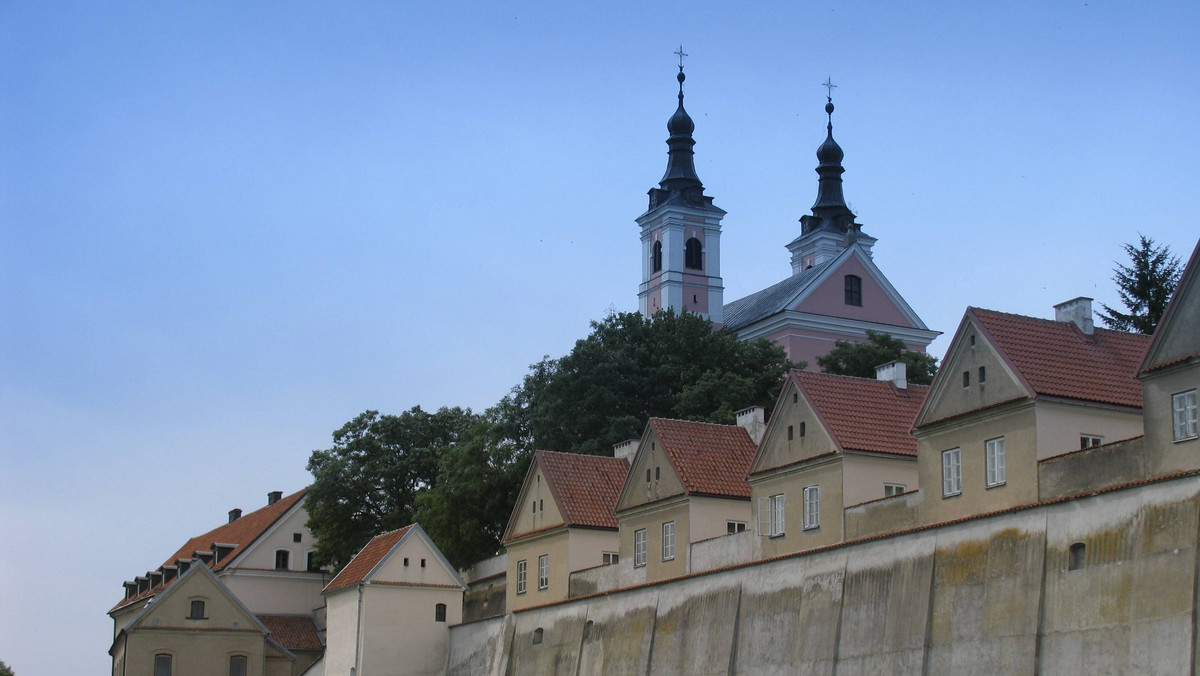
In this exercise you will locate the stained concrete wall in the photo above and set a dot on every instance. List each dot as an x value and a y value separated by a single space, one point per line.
996 595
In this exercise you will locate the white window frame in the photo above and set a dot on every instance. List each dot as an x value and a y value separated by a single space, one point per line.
951 472
892 489
522 575
543 572
994 461
733 527
812 507
1090 441
609 558
639 548
771 515
1183 415
668 541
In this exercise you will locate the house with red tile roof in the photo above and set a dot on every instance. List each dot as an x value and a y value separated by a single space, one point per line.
262 560
390 608
1170 375
1014 390
687 483
833 442
562 522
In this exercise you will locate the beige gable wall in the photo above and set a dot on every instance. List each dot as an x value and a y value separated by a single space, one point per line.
341 627
709 517
555 546
950 398
535 491
826 473
1182 338
587 546
1017 423
275 592
651 457
776 449
1060 424
865 475
415 549
401 636
651 519
280 535
1158 389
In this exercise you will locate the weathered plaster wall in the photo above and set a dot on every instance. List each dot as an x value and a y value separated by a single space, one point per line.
994 595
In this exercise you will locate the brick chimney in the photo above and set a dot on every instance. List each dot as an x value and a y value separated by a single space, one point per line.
752 419
273 497
235 514
894 371
1078 311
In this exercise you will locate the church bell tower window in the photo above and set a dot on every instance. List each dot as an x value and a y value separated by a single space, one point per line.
656 258
692 257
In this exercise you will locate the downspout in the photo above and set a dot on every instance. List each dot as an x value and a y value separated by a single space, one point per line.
357 631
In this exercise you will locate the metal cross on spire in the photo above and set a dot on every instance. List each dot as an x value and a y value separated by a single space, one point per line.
680 54
827 84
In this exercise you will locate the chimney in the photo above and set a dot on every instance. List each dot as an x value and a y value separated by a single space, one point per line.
234 514
273 497
894 371
626 449
1077 310
752 419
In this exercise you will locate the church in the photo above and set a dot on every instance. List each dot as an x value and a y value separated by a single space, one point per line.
835 291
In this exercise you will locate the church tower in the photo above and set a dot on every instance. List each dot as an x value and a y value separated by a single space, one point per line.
831 227
681 232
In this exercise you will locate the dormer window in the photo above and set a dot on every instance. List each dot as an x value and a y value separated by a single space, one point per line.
854 290
692 256
656 257
196 610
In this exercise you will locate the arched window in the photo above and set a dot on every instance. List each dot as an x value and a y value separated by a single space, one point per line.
692 258
537 635
1077 556
853 290
237 665
282 559
656 258
162 665
196 610
439 612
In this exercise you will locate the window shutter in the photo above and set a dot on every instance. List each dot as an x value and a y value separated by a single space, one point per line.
780 501
764 516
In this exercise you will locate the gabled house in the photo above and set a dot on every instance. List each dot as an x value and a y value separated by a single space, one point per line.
389 610
833 442
1013 390
197 626
687 483
264 559
562 522
1170 375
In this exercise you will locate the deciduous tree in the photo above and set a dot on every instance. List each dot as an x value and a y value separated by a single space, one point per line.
860 359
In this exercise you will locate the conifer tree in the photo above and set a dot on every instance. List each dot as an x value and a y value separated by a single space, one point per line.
1145 286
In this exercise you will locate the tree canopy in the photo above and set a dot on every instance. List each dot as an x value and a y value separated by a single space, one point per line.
860 359
1145 286
5 670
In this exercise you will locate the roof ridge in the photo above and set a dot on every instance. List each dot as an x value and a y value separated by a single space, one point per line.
694 422
862 379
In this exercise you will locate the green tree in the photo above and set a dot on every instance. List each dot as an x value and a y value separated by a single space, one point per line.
860 359
1145 286
631 368
5 670
368 482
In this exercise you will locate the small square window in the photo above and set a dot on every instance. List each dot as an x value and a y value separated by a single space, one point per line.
735 527
1090 441
296 537
609 558
892 489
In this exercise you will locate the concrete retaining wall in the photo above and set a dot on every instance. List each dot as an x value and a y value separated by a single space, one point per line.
996 595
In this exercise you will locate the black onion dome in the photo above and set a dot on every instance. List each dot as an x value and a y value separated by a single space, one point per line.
830 152
680 123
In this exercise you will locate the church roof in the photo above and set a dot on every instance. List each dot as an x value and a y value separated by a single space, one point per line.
586 487
865 414
709 459
771 300
1057 359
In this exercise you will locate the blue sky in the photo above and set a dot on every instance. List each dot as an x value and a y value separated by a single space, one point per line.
227 228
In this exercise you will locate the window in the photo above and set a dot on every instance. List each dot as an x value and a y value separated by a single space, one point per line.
538 634
802 426
281 559
966 378
311 563
982 375
812 507
639 548
296 537
162 665
668 541
196 611
892 489
237 665
422 563
657 473
656 257
521 576
789 432
439 612
692 257
609 558
735 527
994 450
543 571
971 340
1090 440
535 506
951 472
406 562
853 290
541 505
770 515
1077 556
1184 405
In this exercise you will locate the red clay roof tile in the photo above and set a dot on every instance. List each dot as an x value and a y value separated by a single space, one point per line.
864 414
294 632
1057 359
710 459
585 486
364 562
